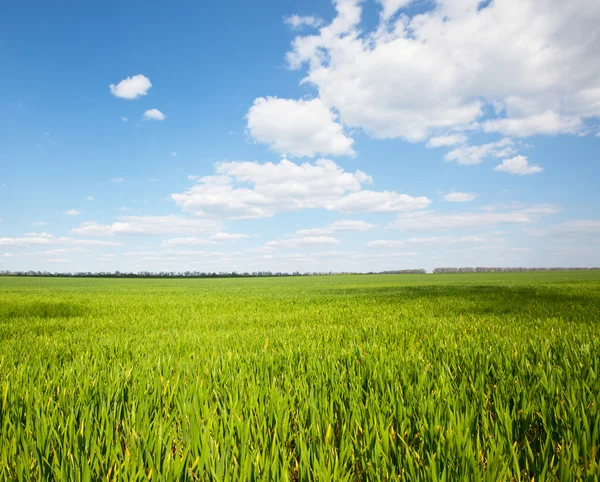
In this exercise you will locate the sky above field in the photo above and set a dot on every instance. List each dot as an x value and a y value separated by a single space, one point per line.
299 135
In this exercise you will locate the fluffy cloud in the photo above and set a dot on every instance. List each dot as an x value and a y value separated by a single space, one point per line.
548 122
131 87
459 197
147 226
470 155
297 128
214 239
72 212
117 179
287 186
571 229
154 114
337 227
303 241
297 22
42 239
430 241
518 165
523 67
447 140
431 220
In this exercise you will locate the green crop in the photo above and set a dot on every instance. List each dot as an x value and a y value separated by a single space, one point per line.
376 378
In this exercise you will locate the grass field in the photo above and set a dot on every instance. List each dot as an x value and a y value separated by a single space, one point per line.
449 377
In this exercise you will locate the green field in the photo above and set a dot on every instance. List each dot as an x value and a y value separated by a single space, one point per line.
448 377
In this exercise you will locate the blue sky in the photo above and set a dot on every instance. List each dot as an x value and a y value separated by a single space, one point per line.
310 136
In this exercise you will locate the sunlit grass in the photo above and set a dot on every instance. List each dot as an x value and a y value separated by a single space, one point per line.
457 377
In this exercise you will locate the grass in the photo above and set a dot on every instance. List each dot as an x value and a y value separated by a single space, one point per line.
450 377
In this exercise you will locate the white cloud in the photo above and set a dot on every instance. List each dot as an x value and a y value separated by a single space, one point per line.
173 154
117 179
431 220
154 114
337 227
302 241
225 237
470 155
148 226
297 22
391 7
580 228
298 128
214 239
429 241
124 119
525 66
518 165
131 87
548 122
73 212
459 197
447 140
249 190
89 198
39 223
40 239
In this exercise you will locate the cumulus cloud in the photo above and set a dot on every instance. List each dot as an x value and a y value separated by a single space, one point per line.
518 67
429 241
41 239
214 239
297 21
131 88
154 114
250 190
447 140
89 198
469 155
72 212
303 241
518 165
431 220
337 227
581 228
147 226
459 197
298 128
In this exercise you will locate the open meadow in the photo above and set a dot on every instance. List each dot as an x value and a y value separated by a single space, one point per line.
341 378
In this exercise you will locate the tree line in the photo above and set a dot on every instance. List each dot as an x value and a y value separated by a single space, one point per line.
194 274
504 270
269 274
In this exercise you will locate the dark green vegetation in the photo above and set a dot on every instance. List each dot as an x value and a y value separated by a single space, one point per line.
458 377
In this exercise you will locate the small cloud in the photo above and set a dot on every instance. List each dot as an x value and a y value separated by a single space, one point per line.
297 22
447 141
3 185
154 179
123 208
173 154
124 119
73 212
89 198
154 114
117 179
459 197
518 165
39 223
131 87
